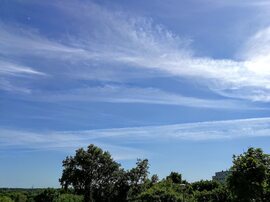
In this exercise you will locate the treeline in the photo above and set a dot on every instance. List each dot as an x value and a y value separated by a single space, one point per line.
92 175
37 195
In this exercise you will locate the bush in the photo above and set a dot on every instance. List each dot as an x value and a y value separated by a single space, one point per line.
164 191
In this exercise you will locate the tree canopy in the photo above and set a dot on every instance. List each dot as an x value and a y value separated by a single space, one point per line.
249 180
92 172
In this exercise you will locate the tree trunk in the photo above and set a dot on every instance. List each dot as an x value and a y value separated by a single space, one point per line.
88 195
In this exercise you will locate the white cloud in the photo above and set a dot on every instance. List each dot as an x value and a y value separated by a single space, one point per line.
123 94
9 70
12 69
20 40
68 141
61 141
117 38
139 42
240 3
214 130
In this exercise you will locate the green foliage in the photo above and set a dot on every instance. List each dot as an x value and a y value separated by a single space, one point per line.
250 174
139 174
205 185
171 189
15 195
92 172
19 197
5 199
164 191
154 179
175 177
137 178
218 194
48 195
69 198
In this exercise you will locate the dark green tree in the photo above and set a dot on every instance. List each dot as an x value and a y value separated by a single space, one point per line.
48 195
137 178
217 194
205 185
91 172
164 191
154 179
160 193
175 177
249 178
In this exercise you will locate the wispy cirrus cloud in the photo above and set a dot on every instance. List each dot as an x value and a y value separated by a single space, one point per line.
9 87
259 3
125 94
61 141
70 140
12 69
116 38
9 70
19 40
139 42
199 131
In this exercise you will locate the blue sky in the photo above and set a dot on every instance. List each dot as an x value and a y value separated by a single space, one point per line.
185 84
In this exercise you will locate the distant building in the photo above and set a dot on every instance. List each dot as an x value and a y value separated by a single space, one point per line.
221 176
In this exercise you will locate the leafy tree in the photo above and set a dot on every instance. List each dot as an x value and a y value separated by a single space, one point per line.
122 187
154 179
249 177
137 178
218 194
48 195
175 177
139 174
205 185
91 172
164 191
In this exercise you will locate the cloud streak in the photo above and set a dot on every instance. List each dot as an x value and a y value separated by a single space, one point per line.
12 69
70 140
60 141
200 131
125 94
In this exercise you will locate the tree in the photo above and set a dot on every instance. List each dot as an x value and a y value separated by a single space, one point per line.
163 191
205 185
214 194
139 174
154 179
91 172
137 178
175 177
48 195
249 177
